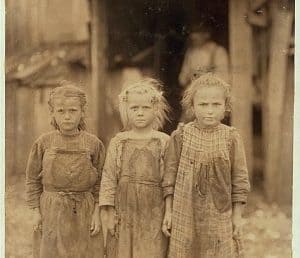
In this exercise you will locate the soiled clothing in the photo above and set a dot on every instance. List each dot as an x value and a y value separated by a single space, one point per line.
211 58
206 172
62 179
132 178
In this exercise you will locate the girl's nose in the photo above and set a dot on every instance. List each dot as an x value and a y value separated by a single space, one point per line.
209 109
140 112
67 115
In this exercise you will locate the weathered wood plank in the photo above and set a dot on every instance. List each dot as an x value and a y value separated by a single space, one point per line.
97 92
241 68
282 18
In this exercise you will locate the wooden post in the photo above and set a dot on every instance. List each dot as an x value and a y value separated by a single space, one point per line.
99 65
241 68
285 177
282 18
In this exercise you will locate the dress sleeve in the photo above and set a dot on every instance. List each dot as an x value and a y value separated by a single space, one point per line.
109 176
98 162
171 160
34 187
239 173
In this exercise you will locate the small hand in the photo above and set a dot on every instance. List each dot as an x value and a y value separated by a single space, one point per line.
95 223
37 219
167 224
237 223
111 222
109 219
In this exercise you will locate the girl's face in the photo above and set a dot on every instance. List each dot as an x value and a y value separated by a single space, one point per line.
140 110
209 106
67 113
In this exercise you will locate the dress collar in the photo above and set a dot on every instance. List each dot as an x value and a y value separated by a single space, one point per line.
207 129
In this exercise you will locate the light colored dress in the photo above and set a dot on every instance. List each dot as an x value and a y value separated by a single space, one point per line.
62 179
132 183
206 172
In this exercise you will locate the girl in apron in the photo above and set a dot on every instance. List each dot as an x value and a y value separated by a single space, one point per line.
62 182
132 191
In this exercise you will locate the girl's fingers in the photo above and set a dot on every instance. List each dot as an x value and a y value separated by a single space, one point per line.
111 231
169 224
92 226
95 231
37 227
166 231
236 233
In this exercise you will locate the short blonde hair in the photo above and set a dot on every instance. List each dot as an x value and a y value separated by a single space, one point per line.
68 89
207 80
149 86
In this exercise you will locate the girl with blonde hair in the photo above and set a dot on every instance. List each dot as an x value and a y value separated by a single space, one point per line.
132 196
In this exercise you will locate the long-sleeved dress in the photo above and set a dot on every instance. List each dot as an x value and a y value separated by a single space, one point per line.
62 179
206 172
132 183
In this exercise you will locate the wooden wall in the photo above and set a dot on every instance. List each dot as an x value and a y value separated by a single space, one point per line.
31 23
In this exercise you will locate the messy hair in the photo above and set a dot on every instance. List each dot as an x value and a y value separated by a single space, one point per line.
149 86
68 89
207 80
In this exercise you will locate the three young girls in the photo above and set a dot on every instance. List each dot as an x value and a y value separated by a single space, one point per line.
190 187
62 178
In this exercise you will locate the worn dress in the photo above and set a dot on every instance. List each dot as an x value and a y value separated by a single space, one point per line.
62 179
207 169
131 182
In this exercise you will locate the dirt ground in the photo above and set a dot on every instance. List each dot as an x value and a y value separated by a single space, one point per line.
267 229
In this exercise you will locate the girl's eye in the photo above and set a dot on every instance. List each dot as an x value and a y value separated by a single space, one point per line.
216 104
60 111
202 104
146 107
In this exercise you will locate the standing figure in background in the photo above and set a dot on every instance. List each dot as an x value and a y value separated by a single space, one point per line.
203 55
207 176
63 178
131 193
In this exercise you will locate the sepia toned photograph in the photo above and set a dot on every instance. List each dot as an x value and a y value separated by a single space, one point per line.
149 129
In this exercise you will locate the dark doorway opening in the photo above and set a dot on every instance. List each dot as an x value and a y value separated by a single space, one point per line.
157 31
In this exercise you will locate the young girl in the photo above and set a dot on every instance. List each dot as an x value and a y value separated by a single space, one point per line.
62 178
131 193
205 163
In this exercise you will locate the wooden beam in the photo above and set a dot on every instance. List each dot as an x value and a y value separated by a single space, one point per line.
241 68
282 19
97 93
